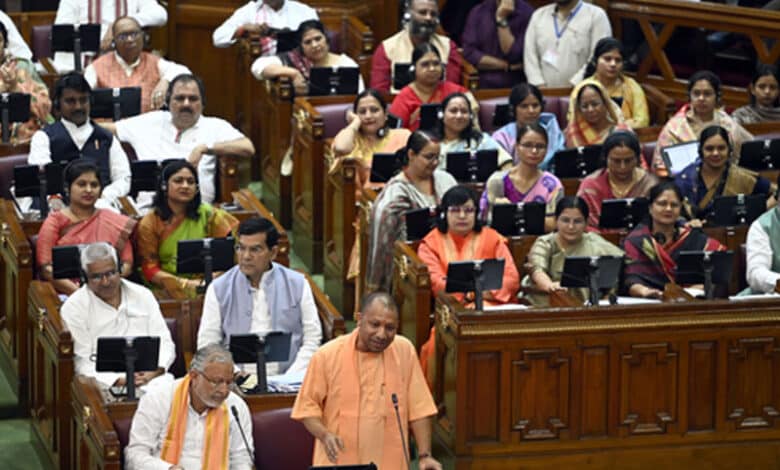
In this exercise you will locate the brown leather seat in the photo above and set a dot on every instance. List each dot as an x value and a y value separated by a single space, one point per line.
178 368
7 165
41 41
333 117
281 442
647 152
557 105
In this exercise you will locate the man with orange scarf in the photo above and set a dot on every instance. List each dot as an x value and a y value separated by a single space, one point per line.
354 387
187 425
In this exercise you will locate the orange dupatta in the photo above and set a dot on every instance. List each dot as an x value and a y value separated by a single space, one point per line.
215 445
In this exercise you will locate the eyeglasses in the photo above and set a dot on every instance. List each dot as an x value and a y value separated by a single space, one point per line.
217 383
570 221
468 210
97 277
129 36
252 250
534 147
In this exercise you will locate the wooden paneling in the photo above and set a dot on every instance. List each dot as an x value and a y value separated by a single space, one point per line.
655 386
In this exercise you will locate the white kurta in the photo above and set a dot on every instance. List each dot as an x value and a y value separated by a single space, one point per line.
760 276
40 154
289 16
210 330
16 45
150 425
554 62
89 318
146 12
344 61
154 137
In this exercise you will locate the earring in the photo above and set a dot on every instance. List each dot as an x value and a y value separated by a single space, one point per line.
164 187
440 114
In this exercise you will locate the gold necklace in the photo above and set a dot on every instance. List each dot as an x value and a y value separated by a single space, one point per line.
620 192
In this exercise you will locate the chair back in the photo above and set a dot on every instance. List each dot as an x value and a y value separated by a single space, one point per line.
41 41
280 441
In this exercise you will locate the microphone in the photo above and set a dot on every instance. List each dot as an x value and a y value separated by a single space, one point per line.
400 428
234 410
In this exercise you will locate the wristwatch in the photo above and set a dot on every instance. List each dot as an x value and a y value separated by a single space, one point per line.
502 23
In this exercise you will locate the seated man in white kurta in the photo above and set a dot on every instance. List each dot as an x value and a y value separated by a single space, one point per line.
107 305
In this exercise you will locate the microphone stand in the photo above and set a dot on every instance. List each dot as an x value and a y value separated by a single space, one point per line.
234 410
400 429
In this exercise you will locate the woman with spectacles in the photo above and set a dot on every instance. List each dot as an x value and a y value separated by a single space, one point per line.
592 115
653 247
178 214
714 174
549 252
703 109
459 236
525 182
427 87
420 184
623 177
526 103
80 222
459 134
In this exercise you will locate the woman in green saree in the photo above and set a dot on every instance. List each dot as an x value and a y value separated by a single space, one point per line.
178 214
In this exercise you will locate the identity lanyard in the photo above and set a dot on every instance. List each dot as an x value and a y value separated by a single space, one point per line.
559 33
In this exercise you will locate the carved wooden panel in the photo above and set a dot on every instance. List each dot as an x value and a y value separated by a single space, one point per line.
753 398
540 394
483 381
648 389
702 367
594 400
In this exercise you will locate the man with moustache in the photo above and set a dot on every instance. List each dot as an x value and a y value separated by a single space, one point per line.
560 39
348 398
260 296
191 424
183 132
130 66
74 135
107 305
423 18
263 17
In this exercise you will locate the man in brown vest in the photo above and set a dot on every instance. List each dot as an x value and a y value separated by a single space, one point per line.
130 66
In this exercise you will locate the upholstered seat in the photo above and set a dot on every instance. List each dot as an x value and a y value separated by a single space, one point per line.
41 41
281 442
7 165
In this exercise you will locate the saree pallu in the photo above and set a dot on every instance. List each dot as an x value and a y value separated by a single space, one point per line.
733 181
595 188
651 263
579 133
547 189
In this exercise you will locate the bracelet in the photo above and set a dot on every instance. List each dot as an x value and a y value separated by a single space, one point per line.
424 455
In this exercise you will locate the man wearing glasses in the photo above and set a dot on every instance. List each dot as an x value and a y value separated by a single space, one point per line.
195 422
259 296
130 66
107 305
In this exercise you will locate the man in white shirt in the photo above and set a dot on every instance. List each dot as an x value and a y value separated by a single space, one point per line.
260 296
191 424
75 136
16 45
560 39
183 132
263 17
107 305
104 13
130 66
763 252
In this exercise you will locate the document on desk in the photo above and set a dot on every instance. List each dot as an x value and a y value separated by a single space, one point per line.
504 307
286 382
771 295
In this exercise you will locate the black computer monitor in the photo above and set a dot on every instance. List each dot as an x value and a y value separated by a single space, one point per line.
14 107
677 157
253 349
76 39
384 166
419 222
472 167
325 81
205 256
286 39
401 75
597 273
30 181
729 211
525 218
475 276
145 174
708 267
429 116
758 155
66 262
623 213
502 115
115 103
577 162
128 355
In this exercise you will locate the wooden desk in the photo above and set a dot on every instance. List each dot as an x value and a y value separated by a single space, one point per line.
568 388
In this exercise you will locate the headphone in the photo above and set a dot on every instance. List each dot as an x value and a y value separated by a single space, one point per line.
71 80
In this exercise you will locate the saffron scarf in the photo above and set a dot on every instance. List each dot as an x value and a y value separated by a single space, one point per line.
215 441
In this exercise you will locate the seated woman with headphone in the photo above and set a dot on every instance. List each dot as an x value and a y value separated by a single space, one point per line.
459 134
715 174
653 247
428 86
313 51
367 133
80 222
178 214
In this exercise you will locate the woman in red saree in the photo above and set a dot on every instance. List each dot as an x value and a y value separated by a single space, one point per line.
80 223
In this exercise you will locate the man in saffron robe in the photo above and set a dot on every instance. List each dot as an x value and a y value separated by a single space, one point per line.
187 425
347 398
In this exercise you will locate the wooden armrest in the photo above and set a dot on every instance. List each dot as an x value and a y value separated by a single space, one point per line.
469 74
127 208
358 37
662 106
675 293
331 319
47 65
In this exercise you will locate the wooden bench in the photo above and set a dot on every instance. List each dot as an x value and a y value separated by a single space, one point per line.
660 387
